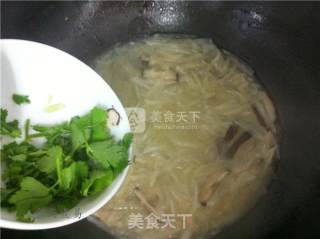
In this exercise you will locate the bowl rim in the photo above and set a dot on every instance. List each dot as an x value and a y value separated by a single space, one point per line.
105 196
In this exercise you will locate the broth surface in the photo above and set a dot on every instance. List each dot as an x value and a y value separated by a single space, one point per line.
205 155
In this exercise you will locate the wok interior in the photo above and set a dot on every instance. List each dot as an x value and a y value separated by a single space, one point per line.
208 142
279 41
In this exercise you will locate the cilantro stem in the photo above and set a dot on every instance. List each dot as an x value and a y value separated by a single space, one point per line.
36 135
58 169
37 153
54 185
26 130
29 171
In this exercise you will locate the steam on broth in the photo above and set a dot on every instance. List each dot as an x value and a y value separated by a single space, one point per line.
208 144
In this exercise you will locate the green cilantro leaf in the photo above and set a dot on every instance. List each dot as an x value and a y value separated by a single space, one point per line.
48 162
9 128
5 195
19 157
99 123
11 150
66 201
32 196
78 136
73 175
97 182
55 135
80 131
21 99
107 154
4 114
127 140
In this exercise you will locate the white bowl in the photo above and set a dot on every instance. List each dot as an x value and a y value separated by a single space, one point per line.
51 76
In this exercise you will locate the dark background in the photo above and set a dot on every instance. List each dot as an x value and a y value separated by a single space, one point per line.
283 48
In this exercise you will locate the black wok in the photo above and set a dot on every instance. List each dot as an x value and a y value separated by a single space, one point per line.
280 40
